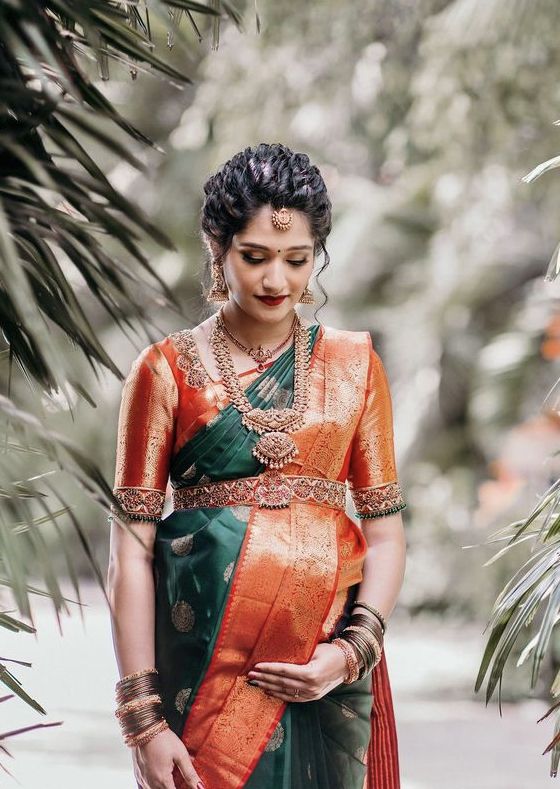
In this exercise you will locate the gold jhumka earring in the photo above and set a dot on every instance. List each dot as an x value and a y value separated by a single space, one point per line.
307 296
218 292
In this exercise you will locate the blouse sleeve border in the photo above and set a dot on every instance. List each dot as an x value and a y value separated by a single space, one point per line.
139 503
374 501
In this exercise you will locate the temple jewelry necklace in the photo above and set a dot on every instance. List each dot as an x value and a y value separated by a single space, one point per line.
274 449
260 355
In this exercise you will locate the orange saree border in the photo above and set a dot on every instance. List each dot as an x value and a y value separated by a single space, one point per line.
282 589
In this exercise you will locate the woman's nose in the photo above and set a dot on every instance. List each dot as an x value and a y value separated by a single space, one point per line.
274 279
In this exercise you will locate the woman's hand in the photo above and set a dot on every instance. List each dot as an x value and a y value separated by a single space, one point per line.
155 761
325 670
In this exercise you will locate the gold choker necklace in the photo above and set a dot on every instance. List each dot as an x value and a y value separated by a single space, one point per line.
274 449
260 355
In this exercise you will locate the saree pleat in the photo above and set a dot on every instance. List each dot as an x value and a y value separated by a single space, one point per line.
236 585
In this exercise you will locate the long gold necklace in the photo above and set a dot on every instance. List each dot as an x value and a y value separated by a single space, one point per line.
274 449
260 355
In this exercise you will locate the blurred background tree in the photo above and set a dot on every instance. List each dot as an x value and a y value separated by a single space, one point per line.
58 279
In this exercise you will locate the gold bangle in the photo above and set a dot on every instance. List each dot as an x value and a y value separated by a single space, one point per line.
373 642
373 611
136 703
147 734
135 719
136 674
138 725
351 660
369 622
143 686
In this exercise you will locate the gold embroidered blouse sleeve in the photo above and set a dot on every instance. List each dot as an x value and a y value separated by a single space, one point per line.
372 474
145 435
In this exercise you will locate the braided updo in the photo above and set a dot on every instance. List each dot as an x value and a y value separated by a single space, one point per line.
267 174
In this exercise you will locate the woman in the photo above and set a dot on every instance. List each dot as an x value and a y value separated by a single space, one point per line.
248 623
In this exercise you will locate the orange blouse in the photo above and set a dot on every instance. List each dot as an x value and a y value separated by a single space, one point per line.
347 435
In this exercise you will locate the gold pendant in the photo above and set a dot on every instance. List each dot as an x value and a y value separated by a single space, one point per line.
262 421
275 449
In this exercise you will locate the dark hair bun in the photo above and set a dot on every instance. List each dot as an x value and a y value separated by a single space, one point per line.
265 174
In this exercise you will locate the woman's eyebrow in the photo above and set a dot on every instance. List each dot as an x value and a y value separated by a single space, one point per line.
262 246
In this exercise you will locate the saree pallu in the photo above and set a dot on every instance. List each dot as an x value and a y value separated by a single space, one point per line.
238 583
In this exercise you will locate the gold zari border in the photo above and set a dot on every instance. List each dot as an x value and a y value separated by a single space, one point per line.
377 500
141 503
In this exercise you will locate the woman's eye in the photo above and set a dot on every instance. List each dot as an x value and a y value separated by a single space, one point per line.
254 260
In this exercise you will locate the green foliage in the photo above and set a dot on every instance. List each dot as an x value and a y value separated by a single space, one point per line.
58 208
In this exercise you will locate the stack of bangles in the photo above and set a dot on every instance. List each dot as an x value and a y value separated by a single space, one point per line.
140 708
362 641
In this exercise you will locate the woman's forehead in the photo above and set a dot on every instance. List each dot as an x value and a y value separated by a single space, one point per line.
260 231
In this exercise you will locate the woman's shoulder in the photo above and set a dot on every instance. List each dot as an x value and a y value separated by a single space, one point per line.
348 338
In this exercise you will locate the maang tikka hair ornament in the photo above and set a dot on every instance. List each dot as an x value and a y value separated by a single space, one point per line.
282 218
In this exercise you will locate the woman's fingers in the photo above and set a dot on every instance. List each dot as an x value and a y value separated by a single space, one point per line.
279 685
188 772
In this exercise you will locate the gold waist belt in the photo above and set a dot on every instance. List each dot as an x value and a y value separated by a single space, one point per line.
271 490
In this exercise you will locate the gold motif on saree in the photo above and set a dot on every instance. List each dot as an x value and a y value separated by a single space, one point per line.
241 512
269 490
228 571
360 754
181 546
276 738
188 359
281 398
181 699
348 712
182 616
267 387
189 473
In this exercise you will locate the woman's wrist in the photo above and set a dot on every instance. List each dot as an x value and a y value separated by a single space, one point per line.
140 707
342 671
351 658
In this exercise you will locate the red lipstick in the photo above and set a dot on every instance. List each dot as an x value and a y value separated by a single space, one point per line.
272 301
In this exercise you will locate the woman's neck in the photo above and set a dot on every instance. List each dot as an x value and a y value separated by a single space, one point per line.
252 332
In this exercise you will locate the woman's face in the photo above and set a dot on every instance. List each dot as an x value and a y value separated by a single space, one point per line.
266 262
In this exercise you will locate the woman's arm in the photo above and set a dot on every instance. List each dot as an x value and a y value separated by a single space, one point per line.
130 586
145 440
384 563
144 445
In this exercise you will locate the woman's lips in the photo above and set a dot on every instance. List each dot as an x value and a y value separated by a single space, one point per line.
272 301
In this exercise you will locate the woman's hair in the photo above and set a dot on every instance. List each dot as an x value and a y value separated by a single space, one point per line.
265 174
